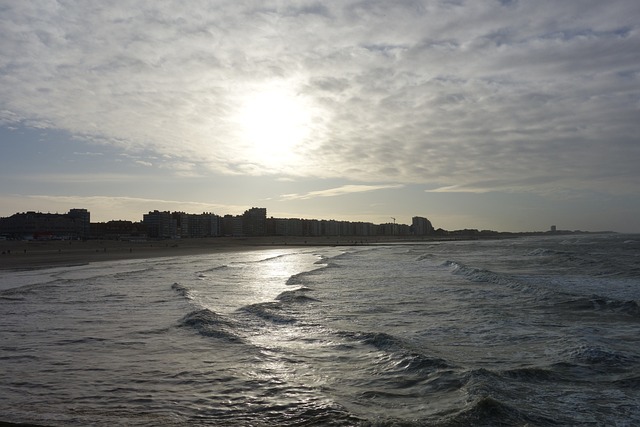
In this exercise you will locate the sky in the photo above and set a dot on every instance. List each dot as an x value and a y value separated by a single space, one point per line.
507 115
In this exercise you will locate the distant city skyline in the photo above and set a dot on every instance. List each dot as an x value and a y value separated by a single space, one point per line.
254 222
422 223
503 115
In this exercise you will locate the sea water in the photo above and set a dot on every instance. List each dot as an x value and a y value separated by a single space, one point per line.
528 331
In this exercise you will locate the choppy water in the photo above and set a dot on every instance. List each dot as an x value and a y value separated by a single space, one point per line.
531 331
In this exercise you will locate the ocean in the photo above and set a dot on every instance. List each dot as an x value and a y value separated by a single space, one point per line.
536 331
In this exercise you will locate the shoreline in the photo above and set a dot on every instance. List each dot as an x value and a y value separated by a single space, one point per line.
28 255
33 254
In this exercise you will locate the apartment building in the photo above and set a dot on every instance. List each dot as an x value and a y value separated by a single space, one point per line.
37 225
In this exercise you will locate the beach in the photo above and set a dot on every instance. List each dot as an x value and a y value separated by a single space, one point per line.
21 254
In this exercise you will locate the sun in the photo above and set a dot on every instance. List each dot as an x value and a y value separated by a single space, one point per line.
274 124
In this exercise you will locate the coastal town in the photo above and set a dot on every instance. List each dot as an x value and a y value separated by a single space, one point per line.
254 222
35 239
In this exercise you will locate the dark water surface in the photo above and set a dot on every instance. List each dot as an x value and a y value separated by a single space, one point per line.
532 331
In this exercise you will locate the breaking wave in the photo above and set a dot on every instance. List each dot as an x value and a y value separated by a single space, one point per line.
182 290
210 324
269 311
296 296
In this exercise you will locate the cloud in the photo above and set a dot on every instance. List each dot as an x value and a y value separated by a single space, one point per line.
78 178
553 187
338 191
439 93
517 184
88 153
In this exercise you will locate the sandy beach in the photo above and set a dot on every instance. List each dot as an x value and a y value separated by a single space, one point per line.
20 255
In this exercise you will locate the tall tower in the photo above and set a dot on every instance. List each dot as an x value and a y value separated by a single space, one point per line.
421 226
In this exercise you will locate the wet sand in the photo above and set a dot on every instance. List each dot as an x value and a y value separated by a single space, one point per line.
22 255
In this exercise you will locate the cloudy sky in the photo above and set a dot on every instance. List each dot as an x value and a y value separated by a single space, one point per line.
509 115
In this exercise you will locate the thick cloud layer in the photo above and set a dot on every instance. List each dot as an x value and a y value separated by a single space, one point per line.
457 95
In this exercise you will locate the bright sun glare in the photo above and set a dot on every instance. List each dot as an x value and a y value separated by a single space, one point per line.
274 125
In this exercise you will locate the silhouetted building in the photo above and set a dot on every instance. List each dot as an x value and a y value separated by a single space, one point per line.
160 225
232 226
254 222
387 229
312 227
82 218
38 225
118 230
164 225
182 223
421 226
170 225
204 225
285 226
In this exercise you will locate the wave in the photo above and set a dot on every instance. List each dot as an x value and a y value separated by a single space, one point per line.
19 357
480 275
182 290
31 289
125 274
597 303
474 274
11 298
599 357
416 362
342 256
531 374
83 340
297 279
271 258
332 265
488 411
283 413
323 260
380 340
210 324
212 269
610 262
404 357
527 395
544 252
269 311
632 382
296 296
498 398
